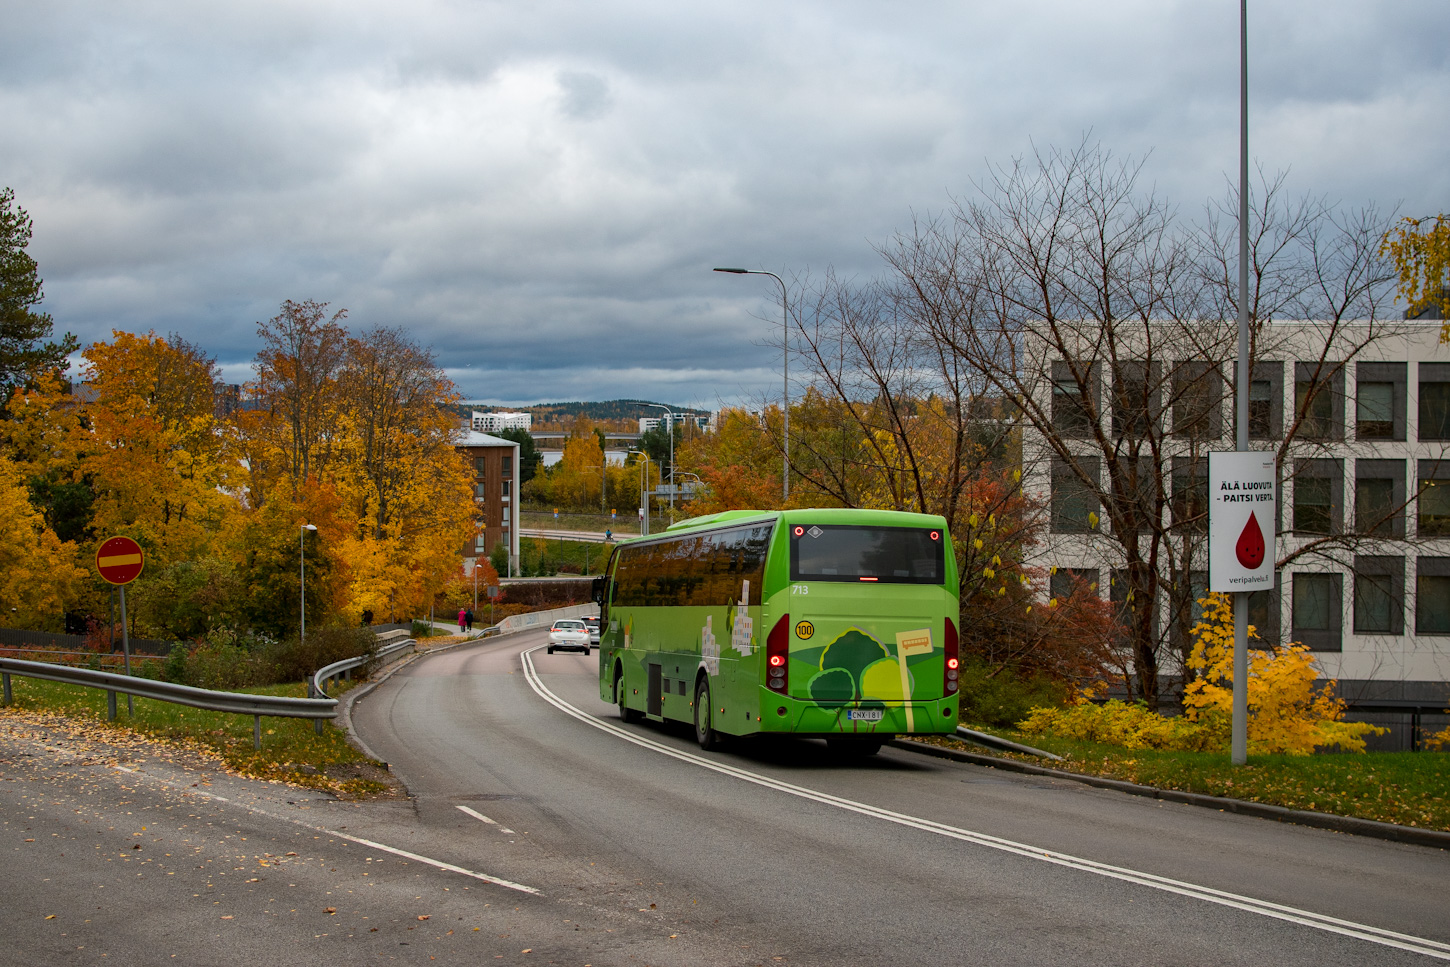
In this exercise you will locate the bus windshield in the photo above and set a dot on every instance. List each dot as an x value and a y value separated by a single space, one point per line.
885 555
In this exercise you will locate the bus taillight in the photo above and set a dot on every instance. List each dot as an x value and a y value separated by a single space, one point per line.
777 655
953 659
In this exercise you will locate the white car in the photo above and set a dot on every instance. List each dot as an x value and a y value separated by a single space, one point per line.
592 622
570 634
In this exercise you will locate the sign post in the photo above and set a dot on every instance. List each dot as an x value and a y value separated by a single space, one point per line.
1243 510
119 561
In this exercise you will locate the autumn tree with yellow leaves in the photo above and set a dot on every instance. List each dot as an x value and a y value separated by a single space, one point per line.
1419 249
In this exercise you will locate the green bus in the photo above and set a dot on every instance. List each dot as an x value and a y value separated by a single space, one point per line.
835 623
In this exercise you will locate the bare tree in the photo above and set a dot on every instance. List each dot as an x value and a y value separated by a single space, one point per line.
1076 298
296 379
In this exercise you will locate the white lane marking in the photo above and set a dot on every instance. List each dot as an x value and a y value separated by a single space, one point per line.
1265 908
484 819
439 864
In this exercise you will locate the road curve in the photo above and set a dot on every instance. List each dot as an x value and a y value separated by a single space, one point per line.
650 851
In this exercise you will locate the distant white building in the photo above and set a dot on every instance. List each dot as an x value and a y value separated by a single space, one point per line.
671 420
495 422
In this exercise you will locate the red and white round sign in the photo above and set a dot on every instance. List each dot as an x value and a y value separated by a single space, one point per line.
119 560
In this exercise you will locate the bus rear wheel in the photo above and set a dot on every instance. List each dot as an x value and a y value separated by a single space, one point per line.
626 714
705 733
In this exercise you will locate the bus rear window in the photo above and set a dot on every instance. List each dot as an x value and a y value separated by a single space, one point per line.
871 555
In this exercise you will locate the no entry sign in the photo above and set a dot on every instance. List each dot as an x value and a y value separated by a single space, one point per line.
1242 511
119 560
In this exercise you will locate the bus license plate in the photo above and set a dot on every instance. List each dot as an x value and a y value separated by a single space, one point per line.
864 715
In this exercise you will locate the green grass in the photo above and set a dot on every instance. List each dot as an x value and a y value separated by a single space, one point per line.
625 525
582 556
290 752
1408 788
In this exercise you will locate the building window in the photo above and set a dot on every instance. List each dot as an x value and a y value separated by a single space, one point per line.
480 490
508 489
1434 410
1264 612
1379 595
1071 411
1064 580
1197 399
506 469
1318 496
1135 400
1190 494
1074 501
1266 400
1433 502
479 463
1319 400
478 542
1432 596
1379 401
505 516
1317 618
1374 411
1379 497
1260 402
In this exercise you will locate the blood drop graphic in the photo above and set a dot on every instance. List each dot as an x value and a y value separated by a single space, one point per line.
1250 546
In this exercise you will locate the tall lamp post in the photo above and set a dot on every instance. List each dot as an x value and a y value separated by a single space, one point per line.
302 573
785 370
644 494
670 418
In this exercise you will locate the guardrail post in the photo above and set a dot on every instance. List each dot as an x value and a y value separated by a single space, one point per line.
256 731
317 726
110 706
8 698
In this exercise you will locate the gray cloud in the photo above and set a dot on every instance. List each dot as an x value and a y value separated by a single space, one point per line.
538 191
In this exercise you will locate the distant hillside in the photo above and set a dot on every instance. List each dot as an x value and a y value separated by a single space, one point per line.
624 414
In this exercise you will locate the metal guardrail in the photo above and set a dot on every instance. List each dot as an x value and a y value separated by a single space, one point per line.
278 706
317 706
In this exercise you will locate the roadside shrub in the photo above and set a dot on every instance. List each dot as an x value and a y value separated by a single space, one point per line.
224 665
1288 711
421 629
1131 726
293 660
1003 696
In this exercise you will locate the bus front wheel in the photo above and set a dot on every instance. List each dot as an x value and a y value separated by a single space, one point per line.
705 733
626 714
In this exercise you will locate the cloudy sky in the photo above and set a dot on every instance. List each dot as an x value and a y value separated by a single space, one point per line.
538 190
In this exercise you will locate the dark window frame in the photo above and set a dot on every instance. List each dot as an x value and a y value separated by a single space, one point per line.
1272 372
1073 420
1430 473
1394 525
1066 485
1319 639
1432 571
1198 394
1317 470
1432 409
1326 393
1397 376
1137 415
1374 576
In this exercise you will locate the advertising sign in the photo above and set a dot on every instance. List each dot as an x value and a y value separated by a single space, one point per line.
1242 510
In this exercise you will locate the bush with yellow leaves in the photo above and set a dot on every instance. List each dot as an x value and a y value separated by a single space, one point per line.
1287 712
1130 725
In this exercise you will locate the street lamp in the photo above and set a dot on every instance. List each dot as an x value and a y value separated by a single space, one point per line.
670 417
643 493
302 556
785 370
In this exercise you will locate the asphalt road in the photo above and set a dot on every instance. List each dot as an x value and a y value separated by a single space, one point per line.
541 830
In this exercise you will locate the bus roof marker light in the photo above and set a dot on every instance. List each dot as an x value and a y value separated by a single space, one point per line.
935 536
799 530
815 531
